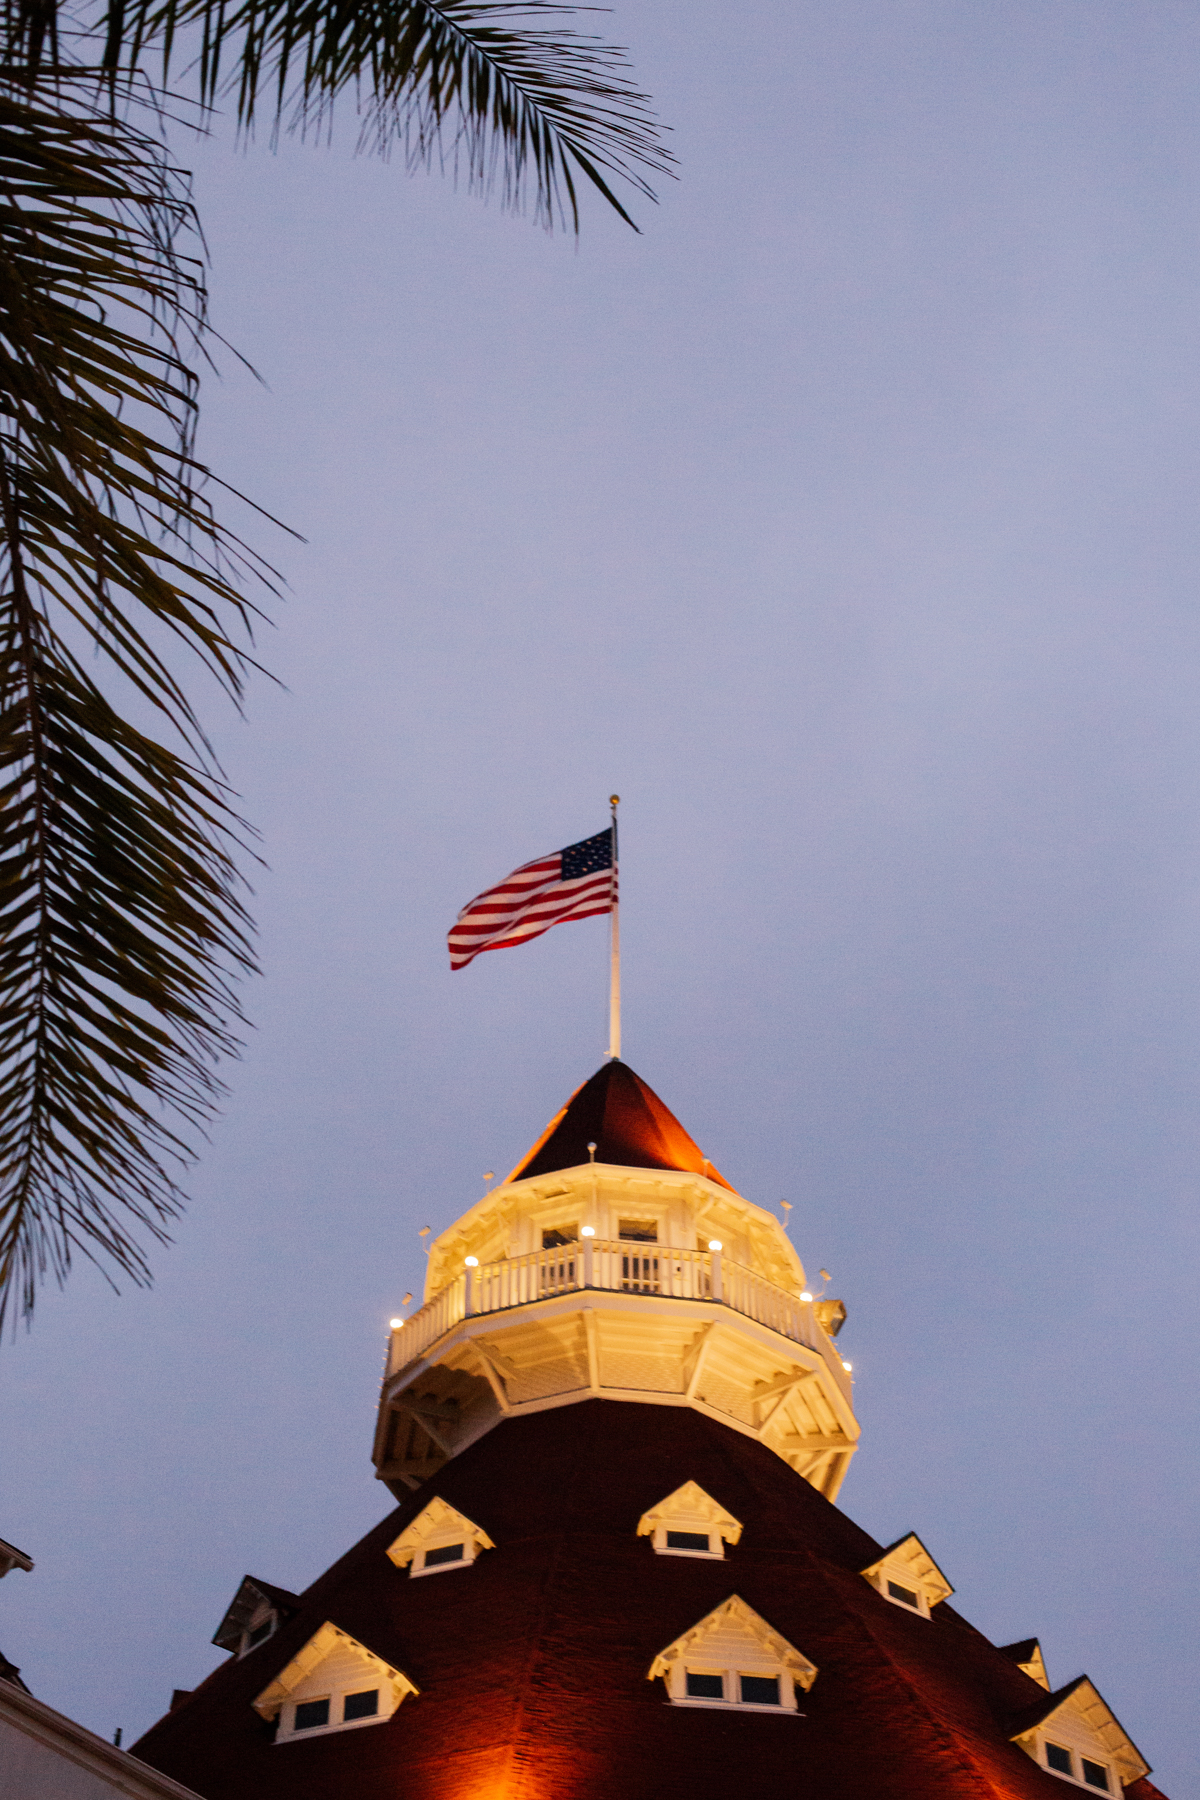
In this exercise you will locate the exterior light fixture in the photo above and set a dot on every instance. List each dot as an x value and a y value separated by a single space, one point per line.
396 1324
806 1296
587 1231
714 1244
472 1262
847 1366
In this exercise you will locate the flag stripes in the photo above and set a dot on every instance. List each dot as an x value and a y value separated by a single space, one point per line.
535 897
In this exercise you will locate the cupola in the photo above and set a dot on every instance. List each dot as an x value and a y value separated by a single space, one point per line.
616 1262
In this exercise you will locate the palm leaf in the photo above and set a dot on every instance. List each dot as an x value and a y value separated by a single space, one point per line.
482 84
121 928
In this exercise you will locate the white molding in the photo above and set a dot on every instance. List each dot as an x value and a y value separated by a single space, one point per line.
113 1771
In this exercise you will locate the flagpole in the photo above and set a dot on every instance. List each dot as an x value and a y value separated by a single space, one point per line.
614 991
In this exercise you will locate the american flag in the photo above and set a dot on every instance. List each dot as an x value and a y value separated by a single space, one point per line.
572 884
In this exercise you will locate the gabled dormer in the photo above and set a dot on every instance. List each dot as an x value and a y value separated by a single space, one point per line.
256 1612
333 1684
1075 1735
689 1522
734 1660
1028 1657
439 1539
907 1575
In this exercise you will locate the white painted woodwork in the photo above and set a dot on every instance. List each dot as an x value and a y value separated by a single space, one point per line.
1084 1724
46 1756
670 1323
438 1527
909 1564
731 1641
690 1509
331 1665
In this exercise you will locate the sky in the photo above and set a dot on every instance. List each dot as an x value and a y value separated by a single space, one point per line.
843 521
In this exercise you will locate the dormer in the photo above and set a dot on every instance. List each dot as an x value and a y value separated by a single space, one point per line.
732 1659
689 1522
1028 1657
256 1612
907 1575
439 1539
333 1684
1076 1736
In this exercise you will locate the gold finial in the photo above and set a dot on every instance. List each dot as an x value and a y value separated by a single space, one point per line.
614 799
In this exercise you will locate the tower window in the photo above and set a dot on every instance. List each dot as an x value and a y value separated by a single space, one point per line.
1095 1774
310 1714
904 1595
1058 1757
445 1553
638 1231
690 1540
705 1687
557 1235
760 1690
361 1706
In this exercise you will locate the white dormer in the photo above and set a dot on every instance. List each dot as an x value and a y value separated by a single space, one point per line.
1077 1737
689 1522
733 1659
438 1539
907 1575
257 1611
333 1684
1027 1654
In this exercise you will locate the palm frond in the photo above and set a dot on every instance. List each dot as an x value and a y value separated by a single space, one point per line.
508 100
121 926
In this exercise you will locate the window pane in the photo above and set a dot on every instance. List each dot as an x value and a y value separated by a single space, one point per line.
1095 1774
310 1713
760 1690
447 1554
687 1540
1058 1758
705 1687
905 1595
638 1231
361 1706
259 1633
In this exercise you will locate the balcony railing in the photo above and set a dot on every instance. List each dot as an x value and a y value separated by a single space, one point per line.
616 1268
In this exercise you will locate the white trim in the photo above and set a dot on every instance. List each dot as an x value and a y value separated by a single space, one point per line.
61 1737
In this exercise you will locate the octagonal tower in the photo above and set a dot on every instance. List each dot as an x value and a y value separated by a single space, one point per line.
617 1263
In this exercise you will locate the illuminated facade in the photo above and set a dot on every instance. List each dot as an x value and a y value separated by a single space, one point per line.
616 1429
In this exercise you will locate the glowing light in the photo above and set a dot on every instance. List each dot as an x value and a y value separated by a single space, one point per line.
587 1231
396 1324
847 1366
714 1244
472 1262
806 1296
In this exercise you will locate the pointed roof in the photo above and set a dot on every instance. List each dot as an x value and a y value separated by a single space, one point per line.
1082 1698
628 1124
244 1605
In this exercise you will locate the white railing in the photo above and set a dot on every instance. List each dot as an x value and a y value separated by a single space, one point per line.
622 1267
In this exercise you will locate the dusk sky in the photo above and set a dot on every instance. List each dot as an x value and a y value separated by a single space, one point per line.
845 523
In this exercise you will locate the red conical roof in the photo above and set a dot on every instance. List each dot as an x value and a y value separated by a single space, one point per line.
628 1124
532 1665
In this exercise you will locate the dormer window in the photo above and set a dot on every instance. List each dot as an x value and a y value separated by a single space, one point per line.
907 1575
333 1684
257 1612
689 1522
1076 1736
733 1659
438 1539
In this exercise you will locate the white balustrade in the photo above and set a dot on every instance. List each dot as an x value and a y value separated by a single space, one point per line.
622 1267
